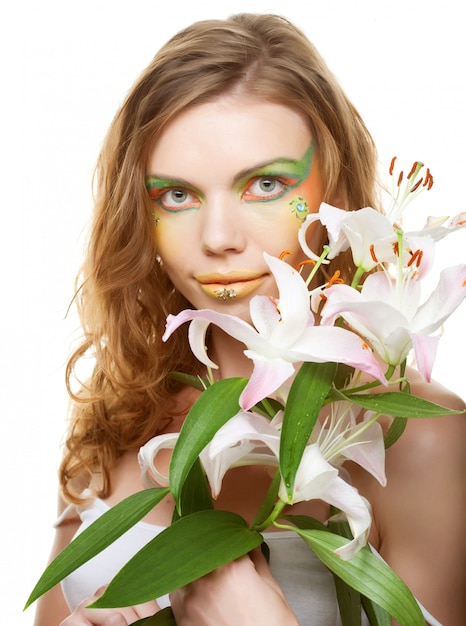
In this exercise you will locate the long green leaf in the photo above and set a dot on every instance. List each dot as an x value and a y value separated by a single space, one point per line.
397 404
195 495
188 549
367 574
306 397
214 407
100 534
348 597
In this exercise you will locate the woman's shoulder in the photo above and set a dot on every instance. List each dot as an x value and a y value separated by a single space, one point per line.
428 458
126 480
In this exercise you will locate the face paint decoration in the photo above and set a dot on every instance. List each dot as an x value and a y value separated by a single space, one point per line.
226 294
300 208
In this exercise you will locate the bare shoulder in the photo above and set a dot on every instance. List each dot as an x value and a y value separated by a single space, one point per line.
429 455
418 517
126 480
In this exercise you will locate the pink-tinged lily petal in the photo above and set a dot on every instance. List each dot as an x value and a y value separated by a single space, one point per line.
367 450
342 437
317 479
425 350
445 298
151 476
382 325
268 375
321 344
246 439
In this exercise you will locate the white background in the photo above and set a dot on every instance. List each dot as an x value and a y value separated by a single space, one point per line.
65 67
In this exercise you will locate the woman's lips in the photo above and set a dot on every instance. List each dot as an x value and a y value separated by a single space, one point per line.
231 285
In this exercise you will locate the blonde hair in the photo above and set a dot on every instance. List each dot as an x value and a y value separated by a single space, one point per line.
123 295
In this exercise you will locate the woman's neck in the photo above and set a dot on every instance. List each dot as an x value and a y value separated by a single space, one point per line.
228 354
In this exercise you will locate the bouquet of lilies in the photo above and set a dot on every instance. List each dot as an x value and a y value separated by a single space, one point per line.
347 371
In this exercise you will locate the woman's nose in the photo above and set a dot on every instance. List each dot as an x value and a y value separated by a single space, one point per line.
222 229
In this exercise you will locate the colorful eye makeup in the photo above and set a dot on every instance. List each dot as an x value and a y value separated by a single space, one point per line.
273 180
264 183
172 194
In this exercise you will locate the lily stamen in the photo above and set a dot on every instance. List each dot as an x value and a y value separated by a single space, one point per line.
301 264
415 258
284 253
335 279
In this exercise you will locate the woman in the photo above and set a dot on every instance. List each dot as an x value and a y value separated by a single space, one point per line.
230 123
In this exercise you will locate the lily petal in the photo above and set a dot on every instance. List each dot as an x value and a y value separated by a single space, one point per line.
151 477
268 375
367 450
240 441
317 479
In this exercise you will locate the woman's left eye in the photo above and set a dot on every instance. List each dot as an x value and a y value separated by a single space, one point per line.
265 188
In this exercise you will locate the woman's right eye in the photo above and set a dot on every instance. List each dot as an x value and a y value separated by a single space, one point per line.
177 200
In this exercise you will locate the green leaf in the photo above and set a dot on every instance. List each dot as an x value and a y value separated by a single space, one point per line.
188 549
214 407
376 615
306 397
188 379
268 502
397 404
367 574
100 534
346 595
349 602
195 495
395 431
268 407
163 617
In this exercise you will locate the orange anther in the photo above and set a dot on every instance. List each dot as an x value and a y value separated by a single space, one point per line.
413 169
283 254
396 248
417 185
306 262
372 251
335 280
392 165
416 258
400 178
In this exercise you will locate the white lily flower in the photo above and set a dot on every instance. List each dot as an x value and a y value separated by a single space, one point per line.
390 315
250 439
356 229
316 478
246 439
283 334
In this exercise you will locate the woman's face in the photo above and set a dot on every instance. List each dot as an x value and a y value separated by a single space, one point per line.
229 180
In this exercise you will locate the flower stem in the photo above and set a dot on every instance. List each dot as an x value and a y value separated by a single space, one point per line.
325 251
357 276
277 509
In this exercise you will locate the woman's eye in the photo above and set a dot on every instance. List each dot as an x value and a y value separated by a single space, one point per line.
177 200
265 188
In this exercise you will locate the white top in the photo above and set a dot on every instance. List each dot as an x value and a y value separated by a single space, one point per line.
305 581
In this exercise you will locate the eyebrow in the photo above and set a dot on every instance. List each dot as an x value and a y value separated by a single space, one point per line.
158 180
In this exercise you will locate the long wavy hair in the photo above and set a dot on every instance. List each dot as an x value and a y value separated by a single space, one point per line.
123 295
